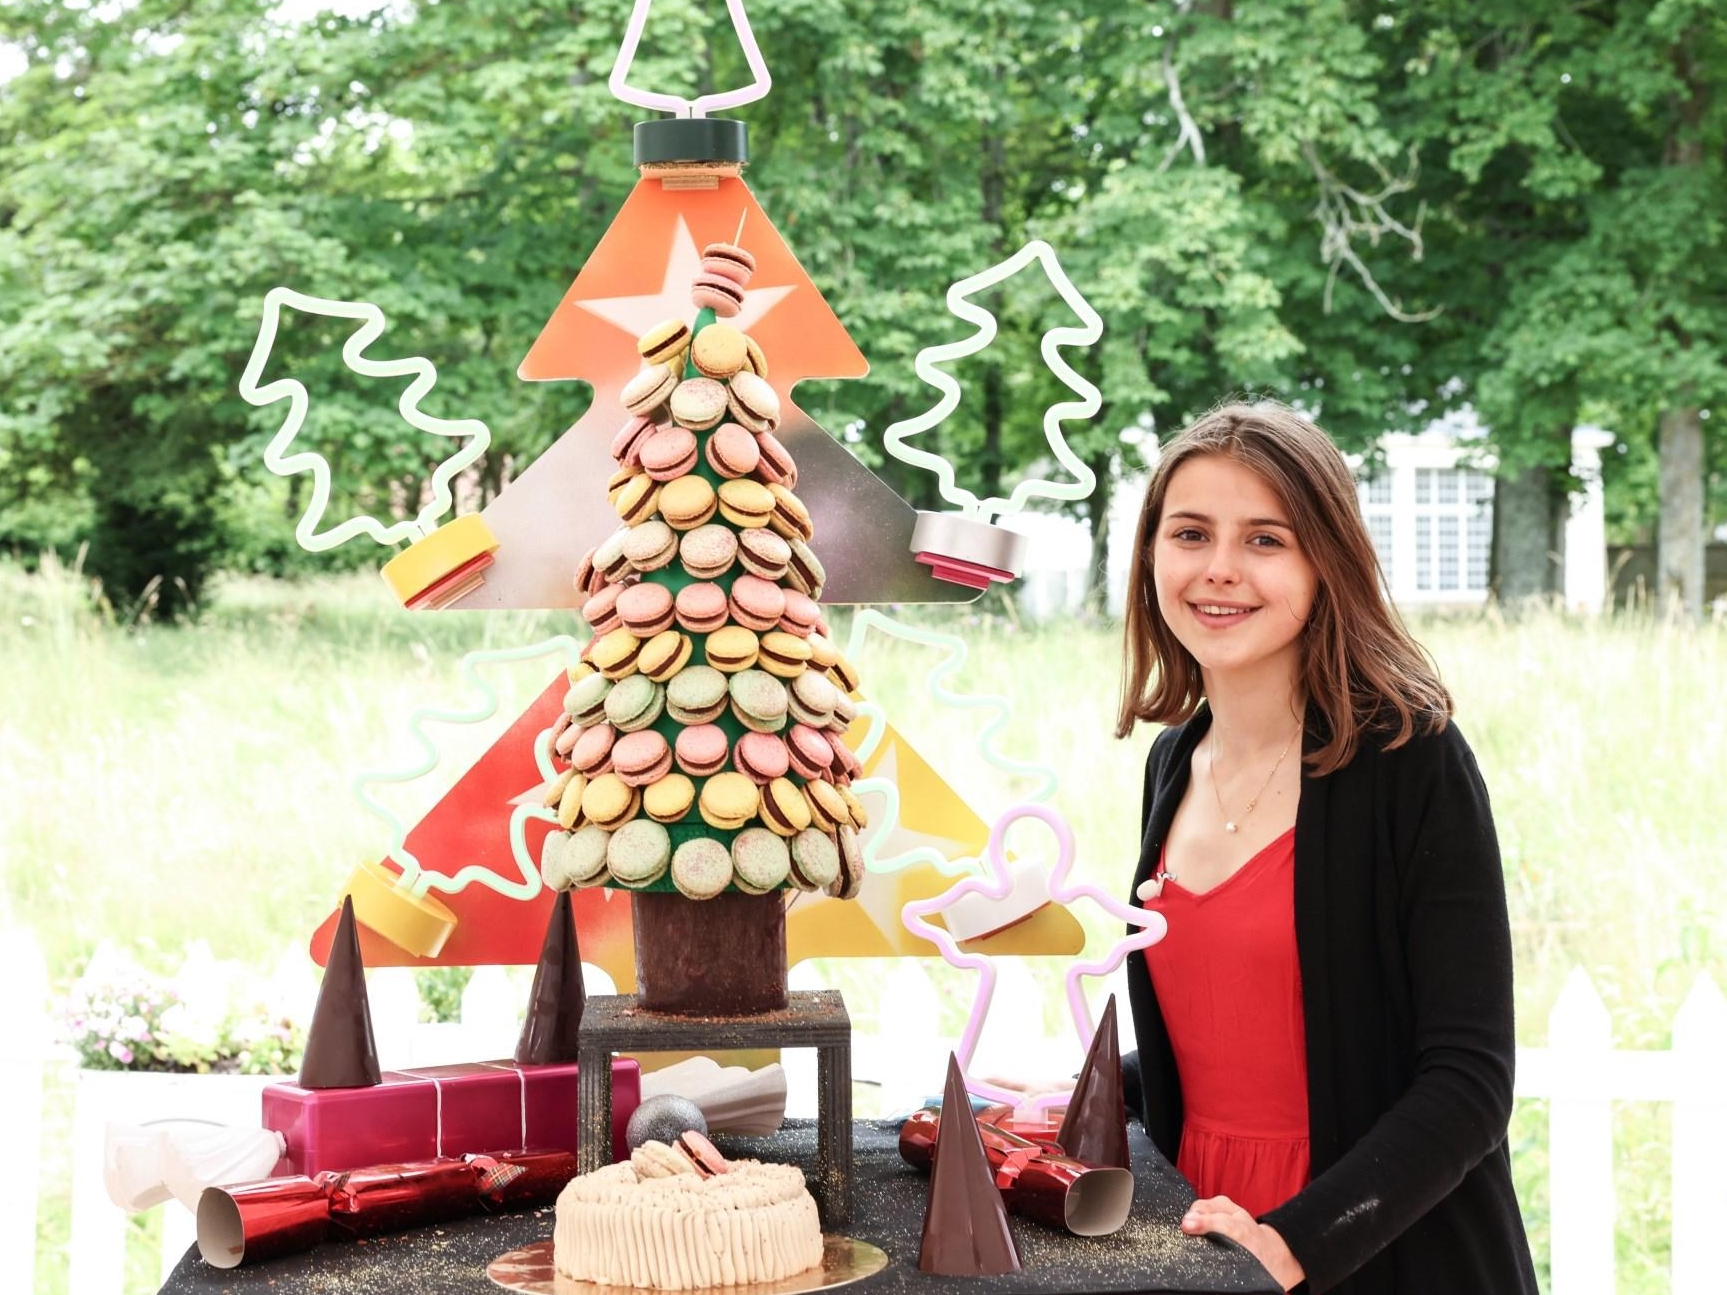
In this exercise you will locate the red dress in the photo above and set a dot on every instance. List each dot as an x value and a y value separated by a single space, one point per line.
1229 986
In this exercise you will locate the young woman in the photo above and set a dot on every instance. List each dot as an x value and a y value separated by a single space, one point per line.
1325 1035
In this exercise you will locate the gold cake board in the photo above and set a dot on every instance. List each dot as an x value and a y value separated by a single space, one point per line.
844 1260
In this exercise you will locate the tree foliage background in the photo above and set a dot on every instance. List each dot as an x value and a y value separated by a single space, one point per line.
1379 211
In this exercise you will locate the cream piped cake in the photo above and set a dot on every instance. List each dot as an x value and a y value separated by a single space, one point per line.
681 1218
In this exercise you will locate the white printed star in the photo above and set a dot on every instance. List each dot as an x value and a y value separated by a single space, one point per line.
636 315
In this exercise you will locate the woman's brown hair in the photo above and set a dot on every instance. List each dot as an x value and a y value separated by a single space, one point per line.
1359 665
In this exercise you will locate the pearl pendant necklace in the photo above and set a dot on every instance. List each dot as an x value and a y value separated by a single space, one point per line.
1229 824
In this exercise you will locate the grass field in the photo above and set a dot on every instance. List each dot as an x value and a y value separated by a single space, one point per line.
162 784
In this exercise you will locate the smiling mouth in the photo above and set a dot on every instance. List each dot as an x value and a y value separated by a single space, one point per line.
1215 612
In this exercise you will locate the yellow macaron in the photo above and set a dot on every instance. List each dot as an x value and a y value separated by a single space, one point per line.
609 803
665 343
728 801
827 808
843 673
664 655
719 351
783 654
854 807
669 799
615 654
732 649
637 498
687 502
746 503
784 810
570 802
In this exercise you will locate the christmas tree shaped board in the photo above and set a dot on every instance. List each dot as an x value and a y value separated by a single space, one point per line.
640 572
639 275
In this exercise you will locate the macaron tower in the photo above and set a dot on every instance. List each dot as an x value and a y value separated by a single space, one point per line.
702 742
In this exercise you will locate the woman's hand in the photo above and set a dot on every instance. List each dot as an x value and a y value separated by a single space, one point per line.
1221 1215
1030 1088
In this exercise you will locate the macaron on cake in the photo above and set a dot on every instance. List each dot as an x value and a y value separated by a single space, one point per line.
700 749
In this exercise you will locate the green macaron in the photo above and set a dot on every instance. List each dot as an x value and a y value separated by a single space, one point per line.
759 700
760 861
638 853
574 858
634 702
586 699
696 694
701 868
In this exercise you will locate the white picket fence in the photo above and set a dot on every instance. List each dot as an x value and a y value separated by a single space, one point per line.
1579 1074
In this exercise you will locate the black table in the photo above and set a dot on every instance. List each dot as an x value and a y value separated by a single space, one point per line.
1149 1254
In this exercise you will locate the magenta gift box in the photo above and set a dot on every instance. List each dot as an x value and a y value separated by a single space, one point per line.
440 1111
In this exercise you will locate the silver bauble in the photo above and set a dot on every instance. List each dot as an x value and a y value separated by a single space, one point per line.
662 1119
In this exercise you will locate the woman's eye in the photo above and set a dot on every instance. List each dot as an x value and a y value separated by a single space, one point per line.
1187 533
1275 542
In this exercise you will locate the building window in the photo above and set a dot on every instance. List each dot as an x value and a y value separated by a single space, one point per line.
1379 529
1453 530
1449 552
1480 544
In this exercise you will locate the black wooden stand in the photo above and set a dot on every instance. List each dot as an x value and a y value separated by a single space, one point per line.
811 1019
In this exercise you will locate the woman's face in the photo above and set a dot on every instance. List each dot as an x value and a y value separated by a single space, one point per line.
1231 582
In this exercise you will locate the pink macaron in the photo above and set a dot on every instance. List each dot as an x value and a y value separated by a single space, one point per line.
701 750
732 451
700 608
757 604
587 579
601 611
761 757
709 550
627 444
764 553
729 261
641 757
592 753
801 614
775 465
645 609
564 734
717 293
810 753
669 453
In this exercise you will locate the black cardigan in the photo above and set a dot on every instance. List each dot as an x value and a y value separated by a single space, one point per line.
1405 955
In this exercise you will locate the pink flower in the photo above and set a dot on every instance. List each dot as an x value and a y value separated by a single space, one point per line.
120 1052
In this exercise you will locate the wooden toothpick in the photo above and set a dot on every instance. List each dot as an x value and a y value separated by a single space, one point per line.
738 238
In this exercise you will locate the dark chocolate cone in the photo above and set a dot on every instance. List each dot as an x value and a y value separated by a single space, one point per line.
556 1001
1095 1129
964 1224
340 1050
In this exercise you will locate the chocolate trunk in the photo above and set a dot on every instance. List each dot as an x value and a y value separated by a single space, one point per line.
724 956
